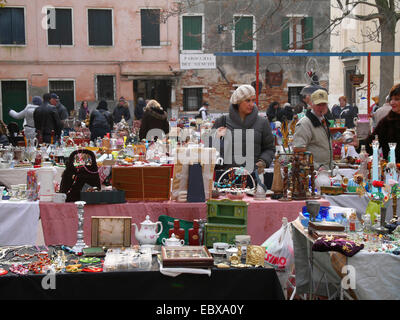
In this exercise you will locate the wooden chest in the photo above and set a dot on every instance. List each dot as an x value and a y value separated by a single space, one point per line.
143 183
216 232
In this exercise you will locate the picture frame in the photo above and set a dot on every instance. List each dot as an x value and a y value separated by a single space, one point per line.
111 231
186 256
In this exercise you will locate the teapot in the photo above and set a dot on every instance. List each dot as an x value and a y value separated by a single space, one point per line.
148 232
173 241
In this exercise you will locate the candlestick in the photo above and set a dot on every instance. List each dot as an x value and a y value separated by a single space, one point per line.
392 158
80 243
375 162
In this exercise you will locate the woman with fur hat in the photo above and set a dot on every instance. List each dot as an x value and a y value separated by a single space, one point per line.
243 119
27 115
101 121
154 117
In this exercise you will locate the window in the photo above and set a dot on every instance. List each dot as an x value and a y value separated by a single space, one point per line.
150 24
100 27
62 34
192 99
192 33
12 26
105 87
65 91
296 32
294 95
244 39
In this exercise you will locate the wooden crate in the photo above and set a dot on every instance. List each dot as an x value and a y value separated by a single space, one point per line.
143 183
222 233
227 212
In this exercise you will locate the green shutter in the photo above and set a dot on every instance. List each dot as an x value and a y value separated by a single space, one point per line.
192 37
244 33
285 33
308 32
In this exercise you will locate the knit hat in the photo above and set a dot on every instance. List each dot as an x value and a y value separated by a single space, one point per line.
319 96
36 100
53 96
102 105
242 93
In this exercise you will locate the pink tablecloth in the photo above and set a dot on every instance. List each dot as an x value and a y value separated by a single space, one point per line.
60 221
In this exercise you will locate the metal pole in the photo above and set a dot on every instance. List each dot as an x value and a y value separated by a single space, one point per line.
257 73
369 84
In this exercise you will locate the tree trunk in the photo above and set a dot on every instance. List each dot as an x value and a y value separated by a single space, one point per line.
388 26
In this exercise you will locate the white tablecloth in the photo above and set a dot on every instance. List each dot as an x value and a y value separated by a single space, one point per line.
19 222
18 175
358 203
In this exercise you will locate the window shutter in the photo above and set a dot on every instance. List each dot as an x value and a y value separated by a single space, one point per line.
243 33
62 35
285 33
12 26
192 33
18 26
150 24
100 27
308 32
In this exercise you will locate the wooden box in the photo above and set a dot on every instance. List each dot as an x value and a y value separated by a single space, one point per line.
227 212
326 226
186 256
222 233
111 231
143 183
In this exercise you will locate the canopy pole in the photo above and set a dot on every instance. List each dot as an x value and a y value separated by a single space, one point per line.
369 84
257 73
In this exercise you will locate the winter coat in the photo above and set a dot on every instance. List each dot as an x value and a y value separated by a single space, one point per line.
264 142
153 118
381 113
310 133
387 130
83 113
348 113
29 123
62 111
4 140
139 109
46 120
120 111
101 122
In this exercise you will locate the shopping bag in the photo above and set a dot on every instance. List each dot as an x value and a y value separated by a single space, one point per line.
279 248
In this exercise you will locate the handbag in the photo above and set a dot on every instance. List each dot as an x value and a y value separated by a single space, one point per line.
74 178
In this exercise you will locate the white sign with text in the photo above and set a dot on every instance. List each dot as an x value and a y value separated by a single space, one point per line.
198 61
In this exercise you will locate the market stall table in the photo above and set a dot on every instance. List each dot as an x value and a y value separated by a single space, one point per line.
12 176
60 220
377 276
222 284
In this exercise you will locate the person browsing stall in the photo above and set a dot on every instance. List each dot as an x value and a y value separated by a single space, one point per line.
312 131
243 115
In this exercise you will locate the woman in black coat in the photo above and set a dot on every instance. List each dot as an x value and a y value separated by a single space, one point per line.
154 117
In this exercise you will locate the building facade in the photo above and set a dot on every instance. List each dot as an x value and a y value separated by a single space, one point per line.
87 50
244 28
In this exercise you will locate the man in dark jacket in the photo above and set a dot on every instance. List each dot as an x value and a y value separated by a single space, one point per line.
139 109
345 111
101 121
47 120
122 109
61 109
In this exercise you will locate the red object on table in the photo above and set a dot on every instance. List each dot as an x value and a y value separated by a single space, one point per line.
194 239
177 230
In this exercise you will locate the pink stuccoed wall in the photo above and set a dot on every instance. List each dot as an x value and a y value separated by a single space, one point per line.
80 62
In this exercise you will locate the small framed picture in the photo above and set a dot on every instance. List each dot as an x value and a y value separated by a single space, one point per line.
111 231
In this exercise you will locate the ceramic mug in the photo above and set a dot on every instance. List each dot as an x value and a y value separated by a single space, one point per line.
59 197
220 246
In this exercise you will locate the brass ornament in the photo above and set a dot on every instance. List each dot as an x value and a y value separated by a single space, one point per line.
255 255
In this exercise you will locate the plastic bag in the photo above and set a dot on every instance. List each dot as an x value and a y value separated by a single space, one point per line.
279 248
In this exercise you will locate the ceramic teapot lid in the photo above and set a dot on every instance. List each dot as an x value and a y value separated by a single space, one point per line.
147 221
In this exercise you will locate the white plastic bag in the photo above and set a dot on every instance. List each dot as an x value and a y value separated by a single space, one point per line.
279 248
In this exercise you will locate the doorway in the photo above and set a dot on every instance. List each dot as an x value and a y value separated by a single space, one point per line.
159 90
13 96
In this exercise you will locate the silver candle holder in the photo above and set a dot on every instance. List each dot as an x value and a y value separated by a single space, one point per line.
80 243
